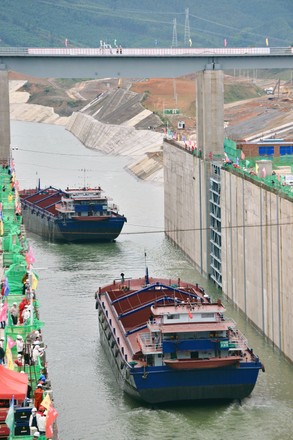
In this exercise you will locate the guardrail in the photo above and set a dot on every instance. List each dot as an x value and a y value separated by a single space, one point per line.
141 52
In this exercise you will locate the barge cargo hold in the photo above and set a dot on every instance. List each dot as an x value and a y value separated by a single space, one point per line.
167 341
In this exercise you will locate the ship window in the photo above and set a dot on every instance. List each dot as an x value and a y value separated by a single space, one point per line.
207 315
175 316
194 354
118 340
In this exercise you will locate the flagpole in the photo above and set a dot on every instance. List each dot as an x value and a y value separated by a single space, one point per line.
30 277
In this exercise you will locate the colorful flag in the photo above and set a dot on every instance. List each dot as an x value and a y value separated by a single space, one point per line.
267 41
10 364
190 314
66 42
10 416
247 163
225 42
34 281
46 402
264 172
256 168
3 312
50 419
10 342
6 287
30 259
242 155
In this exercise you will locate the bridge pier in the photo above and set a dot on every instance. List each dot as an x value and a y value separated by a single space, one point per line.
4 116
210 111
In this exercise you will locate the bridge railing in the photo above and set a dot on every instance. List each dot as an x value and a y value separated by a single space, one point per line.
141 52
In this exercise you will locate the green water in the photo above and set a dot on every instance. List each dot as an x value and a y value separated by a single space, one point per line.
90 404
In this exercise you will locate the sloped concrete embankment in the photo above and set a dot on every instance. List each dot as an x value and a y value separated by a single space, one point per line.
20 110
121 140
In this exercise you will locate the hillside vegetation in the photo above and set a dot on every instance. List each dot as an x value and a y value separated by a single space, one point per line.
47 23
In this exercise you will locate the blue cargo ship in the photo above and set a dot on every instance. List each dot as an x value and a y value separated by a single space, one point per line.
72 215
166 341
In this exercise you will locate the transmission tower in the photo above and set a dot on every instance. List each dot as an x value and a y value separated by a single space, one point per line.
174 39
187 29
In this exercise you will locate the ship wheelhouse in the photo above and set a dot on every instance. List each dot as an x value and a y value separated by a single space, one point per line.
84 203
190 332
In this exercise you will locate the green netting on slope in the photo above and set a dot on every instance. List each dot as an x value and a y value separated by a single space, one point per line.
230 148
23 330
270 181
7 243
15 273
25 437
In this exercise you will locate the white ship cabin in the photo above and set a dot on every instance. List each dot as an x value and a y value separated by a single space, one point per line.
189 331
85 202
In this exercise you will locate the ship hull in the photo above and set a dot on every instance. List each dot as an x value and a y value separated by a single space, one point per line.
53 229
163 384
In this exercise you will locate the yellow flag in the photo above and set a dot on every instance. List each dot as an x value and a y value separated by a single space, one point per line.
34 281
1 228
10 363
46 402
256 168
267 41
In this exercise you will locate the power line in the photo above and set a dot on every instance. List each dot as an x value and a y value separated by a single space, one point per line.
164 231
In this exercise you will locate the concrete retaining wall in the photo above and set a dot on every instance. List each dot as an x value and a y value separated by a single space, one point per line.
257 240
185 204
257 256
114 139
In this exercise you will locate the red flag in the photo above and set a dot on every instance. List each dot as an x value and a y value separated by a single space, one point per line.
190 314
242 155
50 419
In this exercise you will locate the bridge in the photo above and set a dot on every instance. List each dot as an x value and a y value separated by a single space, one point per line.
139 63
104 62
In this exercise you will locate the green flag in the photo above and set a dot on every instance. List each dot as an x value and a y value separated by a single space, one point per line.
10 416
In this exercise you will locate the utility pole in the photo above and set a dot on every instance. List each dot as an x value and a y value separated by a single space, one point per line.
174 38
186 29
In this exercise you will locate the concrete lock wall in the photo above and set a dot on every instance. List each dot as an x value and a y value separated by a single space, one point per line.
257 240
257 243
185 204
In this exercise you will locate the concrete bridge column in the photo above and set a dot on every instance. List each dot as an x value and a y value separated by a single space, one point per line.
210 140
210 111
4 116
